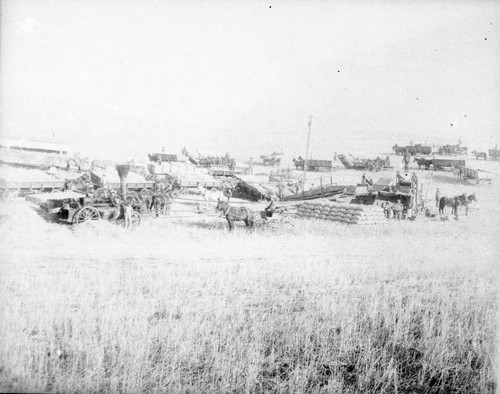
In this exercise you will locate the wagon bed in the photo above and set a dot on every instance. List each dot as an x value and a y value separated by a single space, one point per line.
494 153
11 189
206 184
445 164
478 175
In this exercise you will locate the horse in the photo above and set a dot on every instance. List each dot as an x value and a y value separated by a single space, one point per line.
455 202
398 150
423 162
234 214
299 163
211 194
161 203
479 154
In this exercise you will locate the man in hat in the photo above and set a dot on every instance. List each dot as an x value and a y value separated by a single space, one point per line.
414 182
438 197
127 214
363 178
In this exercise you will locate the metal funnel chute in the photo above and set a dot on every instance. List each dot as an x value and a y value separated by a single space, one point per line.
123 170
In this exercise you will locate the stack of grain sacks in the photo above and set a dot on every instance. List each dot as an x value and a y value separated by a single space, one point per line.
343 213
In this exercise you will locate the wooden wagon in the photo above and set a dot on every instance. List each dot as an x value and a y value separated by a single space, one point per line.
447 164
494 153
476 175
220 171
12 189
76 208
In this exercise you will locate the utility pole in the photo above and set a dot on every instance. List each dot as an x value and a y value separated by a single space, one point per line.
307 154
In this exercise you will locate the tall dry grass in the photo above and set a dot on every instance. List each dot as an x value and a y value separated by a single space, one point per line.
171 307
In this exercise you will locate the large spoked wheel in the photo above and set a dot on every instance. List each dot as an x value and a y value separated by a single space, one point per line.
289 220
272 223
10 194
259 222
86 214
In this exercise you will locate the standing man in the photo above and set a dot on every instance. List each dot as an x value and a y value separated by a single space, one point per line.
406 159
250 166
270 208
414 182
438 197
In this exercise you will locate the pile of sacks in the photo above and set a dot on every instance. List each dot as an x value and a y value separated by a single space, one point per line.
343 213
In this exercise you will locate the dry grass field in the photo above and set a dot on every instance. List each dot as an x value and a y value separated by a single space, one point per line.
185 306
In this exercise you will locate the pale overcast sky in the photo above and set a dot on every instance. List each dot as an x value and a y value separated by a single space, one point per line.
244 77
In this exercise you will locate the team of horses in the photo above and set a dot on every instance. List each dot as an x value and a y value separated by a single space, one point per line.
455 202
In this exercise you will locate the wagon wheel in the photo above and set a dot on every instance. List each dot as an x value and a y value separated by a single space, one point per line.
258 221
289 220
272 223
56 190
10 194
85 214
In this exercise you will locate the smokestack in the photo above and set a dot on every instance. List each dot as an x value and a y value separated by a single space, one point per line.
122 173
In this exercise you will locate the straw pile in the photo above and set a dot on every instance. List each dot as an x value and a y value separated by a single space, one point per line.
343 213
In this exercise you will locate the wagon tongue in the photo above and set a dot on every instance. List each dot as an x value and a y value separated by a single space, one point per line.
123 170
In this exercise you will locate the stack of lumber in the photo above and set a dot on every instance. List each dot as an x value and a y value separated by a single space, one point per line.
343 213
